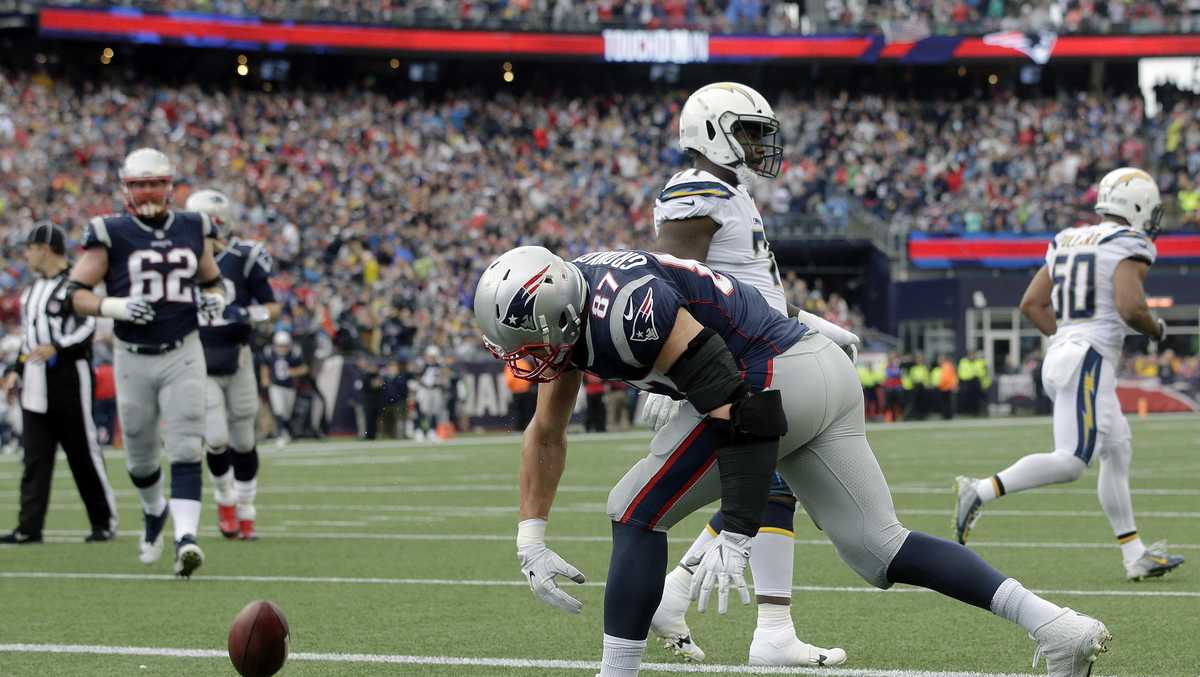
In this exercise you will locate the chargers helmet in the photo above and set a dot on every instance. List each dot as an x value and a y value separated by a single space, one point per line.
1131 194
529 304
147 166
732 125
217 206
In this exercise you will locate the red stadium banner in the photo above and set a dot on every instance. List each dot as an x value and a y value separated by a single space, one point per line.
999 251
663 46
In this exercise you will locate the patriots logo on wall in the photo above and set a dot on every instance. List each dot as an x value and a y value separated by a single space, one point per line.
643 318
1037 46
519 314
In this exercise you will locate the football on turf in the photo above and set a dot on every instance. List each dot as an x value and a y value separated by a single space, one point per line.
258 640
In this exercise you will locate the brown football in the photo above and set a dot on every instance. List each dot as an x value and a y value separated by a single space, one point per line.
258 640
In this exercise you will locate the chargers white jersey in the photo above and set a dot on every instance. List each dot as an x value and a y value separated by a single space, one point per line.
739 247
1082 263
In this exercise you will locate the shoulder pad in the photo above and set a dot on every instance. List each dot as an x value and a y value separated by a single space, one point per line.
696 189
1124 232
96 233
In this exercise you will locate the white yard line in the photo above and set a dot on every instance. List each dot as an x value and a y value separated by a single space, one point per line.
71 536
348 580
514 663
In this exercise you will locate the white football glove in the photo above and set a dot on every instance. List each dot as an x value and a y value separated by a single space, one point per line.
722 565
1162 328
659 409
127 309
211 305
258 313
541 565
847 340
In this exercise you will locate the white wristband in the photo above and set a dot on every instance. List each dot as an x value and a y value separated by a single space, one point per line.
531 532
113 307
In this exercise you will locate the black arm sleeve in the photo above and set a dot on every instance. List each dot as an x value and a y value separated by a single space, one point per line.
748 443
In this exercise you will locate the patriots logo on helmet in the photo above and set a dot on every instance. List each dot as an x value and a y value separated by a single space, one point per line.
519 314
643 318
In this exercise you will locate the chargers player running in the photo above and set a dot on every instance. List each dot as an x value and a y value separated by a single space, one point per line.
1085 296
231 395
707 214
158 269
762 392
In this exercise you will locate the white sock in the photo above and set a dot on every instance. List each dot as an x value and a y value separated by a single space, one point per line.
246 492
223 488
775 619
622 657
152 499
185 514
771 559
1038 470
1014 603
987 489
700 545
1131 547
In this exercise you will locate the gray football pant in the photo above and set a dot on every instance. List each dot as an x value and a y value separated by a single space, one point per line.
825 458
231 407
167 387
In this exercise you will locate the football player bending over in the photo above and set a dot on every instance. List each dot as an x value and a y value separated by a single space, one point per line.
231 396
1087 294
762 392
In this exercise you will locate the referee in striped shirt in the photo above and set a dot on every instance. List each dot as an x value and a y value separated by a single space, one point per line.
56 398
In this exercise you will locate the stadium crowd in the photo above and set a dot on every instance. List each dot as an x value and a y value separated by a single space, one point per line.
363 199
907 19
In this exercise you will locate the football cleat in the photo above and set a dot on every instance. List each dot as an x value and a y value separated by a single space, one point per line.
151 546
18 537
790 650
188 557
670 626
967 507
100 536
1154 562
1070 644
227 520
247 532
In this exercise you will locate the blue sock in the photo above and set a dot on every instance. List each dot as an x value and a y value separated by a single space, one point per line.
945 567
780 515
635 580
185 480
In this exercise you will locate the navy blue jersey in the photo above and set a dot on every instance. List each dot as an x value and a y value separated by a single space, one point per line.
281 364
246 272
634 297
154 264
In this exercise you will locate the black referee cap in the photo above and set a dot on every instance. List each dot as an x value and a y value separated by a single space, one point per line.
49 234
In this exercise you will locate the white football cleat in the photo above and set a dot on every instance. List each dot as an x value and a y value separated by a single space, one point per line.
151 546
188 557
670 626
1070 643
790 650
967 505
1154 562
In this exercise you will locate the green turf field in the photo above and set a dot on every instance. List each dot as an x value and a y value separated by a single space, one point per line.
406 552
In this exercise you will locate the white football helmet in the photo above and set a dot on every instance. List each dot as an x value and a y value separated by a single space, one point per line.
1131 194
529 304
218 207
281 339
733 126
147 166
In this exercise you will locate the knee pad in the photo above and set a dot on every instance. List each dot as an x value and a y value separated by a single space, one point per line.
245 465
216 439
145 477
1118 453
1068 467
184 448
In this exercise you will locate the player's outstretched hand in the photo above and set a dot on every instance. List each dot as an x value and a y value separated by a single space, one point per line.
722 565
212 306
658 410
127 309
541 566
